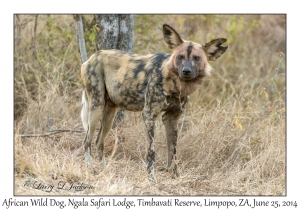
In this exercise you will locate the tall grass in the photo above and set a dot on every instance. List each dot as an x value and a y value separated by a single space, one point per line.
231 136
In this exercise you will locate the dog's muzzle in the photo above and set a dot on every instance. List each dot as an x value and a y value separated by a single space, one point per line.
187 73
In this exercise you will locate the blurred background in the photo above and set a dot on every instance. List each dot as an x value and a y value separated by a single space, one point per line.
46 55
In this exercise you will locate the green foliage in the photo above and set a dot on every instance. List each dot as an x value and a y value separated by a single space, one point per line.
239 25
90 33
147 33
91 38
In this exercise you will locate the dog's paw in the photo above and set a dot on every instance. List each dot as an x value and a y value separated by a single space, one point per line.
88 160
151 177
174 171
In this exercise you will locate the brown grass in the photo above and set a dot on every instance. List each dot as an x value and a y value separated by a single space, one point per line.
231 136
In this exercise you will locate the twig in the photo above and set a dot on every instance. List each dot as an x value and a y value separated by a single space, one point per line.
52 133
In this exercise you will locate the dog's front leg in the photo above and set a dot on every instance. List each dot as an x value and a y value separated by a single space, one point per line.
149 119
170 120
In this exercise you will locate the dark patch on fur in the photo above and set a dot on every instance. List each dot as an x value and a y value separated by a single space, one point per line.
158 59
189 49
116 65
140 67
150 158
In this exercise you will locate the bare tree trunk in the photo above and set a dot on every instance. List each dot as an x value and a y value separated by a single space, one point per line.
116 32
80 38
126 33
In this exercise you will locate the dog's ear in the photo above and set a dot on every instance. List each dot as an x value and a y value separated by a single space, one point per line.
213 49
171 37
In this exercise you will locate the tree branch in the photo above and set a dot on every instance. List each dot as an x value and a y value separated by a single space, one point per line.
51 133
80 38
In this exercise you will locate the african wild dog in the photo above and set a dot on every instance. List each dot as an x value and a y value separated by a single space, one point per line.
152 84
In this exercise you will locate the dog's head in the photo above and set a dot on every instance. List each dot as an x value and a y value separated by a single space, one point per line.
189 59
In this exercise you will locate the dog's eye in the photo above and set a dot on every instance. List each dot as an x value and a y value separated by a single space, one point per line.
196 58
180 57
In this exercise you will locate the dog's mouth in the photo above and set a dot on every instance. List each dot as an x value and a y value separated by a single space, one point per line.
190 76
187 73
185 77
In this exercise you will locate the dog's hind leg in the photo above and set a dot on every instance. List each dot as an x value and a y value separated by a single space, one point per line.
95 93
84 111
106 122
95 115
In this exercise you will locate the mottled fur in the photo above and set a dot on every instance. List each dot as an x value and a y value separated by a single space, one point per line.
152 84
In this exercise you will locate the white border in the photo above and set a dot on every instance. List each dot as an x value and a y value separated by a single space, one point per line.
154 6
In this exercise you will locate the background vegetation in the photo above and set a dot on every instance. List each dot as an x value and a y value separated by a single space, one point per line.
231 136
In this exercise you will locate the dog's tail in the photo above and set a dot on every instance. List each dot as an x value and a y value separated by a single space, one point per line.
84 111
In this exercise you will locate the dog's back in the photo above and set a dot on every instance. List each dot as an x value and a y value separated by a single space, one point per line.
126 76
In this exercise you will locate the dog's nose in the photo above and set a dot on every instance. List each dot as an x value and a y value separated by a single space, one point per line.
186 70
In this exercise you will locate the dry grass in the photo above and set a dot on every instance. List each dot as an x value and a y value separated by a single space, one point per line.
231 136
